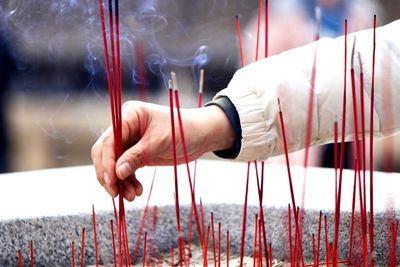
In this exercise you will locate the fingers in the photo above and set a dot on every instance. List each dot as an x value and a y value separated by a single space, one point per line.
108 160
131 160
104 162
97 159
132 188
137 185
97 156
134 126
112 190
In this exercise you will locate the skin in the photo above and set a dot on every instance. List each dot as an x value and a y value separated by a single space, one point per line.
146 138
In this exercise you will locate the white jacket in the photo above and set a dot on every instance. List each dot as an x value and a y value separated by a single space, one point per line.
255 88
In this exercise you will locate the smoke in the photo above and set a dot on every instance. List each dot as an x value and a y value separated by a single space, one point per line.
50 129
60 55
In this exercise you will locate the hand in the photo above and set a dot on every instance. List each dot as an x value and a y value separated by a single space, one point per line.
147 140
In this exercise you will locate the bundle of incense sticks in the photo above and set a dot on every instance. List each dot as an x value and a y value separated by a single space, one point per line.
115 92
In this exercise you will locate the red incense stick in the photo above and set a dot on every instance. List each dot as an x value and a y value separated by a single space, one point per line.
32 259
355 113
326 239
240 41
95 236
125 235
393 249
213 239
260 254
207 239
266 28
227 248
297 234
118 100
319 236
352 217
143 220
357 152
311 99
258 27
73 253
118 72
202 219
264 232
335 156
178 217
199 104
113 242
185 153
144 249
19 258
391 237
106 57
244 216
172 257
255 240
309 122
219 244
152 253
260 202
190 234
290 236
371 152
270 254
363 214
83 247
337 208
114 68
314 250
363 150
114 80
297 250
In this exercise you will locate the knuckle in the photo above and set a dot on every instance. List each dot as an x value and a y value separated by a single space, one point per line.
108 140
136 156
94 151
130 105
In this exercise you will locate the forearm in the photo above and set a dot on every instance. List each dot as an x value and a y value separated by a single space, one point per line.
254 91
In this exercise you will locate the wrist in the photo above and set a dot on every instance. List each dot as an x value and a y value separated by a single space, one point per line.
219 132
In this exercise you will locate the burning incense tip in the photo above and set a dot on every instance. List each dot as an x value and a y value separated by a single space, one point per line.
360 61
317 12
174 81
279 105
352 52
170 84
201 81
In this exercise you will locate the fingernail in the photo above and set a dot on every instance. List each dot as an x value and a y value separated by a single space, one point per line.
106 178
129 195
125 170
139 189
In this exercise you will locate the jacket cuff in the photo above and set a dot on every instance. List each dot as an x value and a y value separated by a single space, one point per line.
254 145
231 113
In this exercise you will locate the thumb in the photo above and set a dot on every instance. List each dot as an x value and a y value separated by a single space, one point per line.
131 160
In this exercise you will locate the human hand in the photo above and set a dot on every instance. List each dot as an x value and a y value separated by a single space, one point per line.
147 140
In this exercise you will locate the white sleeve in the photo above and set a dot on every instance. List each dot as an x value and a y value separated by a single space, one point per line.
254 91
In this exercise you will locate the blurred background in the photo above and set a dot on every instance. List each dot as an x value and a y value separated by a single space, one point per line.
53 88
